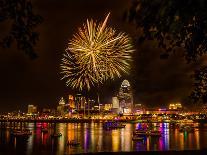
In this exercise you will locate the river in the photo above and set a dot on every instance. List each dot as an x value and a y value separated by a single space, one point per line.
93 138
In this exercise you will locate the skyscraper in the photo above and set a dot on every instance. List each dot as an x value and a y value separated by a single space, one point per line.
79 101
125 98
61 107
71 101
31 109
115 102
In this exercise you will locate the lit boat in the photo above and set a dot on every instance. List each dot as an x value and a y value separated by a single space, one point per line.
56 135
73 143
186 128
44 130
155 133
113 125
140 132
21 132
186 121
137 138
147 133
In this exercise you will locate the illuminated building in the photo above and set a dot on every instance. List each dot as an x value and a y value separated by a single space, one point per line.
91 104
61 102
138 109
31 109
46 111
115 102
80 102
204 108
71 101
125 98
107 107
83 102
61 107
175 106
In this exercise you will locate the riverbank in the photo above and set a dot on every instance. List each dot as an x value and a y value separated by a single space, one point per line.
73 120
185 152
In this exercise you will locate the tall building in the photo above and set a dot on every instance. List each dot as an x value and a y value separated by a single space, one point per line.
71 101
31 109
115 103
204 108
125 97
107 107
80 101
61 107
91 104
175 106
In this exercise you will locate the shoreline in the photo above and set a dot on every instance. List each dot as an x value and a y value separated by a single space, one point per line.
170 152
71 120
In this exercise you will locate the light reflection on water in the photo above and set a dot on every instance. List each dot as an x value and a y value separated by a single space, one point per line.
94 139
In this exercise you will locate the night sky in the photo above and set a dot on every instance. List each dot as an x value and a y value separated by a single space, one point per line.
24 81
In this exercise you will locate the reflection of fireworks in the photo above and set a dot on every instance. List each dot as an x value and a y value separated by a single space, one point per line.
95 54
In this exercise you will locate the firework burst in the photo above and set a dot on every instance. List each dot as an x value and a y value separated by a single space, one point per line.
94 54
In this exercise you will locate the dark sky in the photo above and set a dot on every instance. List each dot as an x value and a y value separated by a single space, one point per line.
24 81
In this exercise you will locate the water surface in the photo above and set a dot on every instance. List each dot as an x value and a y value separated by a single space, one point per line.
94 138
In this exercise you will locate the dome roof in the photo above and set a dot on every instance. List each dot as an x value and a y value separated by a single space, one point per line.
61 102
125 83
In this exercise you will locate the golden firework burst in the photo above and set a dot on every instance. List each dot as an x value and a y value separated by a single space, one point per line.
94 54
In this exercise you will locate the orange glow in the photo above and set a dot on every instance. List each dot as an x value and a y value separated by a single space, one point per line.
115 140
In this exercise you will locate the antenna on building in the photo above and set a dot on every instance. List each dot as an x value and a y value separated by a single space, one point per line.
98 100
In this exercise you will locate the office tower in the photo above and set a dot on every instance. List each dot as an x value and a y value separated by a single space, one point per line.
125 98
71 101
31 109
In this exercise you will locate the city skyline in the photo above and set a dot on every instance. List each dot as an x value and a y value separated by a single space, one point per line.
24 81
103 77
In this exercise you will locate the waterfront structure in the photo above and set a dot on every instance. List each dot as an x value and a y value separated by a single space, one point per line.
91 104
107 107
175 106
62 101
125 98
80 102
46 110
61 107
204 109
71 101
31 109
115 104
138 109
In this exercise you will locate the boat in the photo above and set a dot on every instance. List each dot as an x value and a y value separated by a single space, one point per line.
137 138
157 125
113 125
155 133
186 128
21 132
147 133
44 130
186 121
73 143
56 135
141 132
